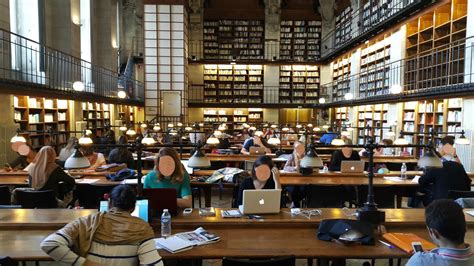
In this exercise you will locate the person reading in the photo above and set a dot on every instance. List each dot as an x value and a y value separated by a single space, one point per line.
169 172
255 141
96 159
26 155
114 237
293 165
446 225
122 154
344 154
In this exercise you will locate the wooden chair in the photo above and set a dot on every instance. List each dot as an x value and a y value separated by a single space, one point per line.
281 261
45 199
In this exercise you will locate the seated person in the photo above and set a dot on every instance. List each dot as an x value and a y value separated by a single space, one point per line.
264 176
96 159
447 150
67 151
26 155
446 225
344 154
255 141
45 174
106 238
328 137
379 150
293 162
437 182
122 154
169 172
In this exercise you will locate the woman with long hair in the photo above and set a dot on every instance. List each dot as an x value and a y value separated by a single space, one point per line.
122 154
67 151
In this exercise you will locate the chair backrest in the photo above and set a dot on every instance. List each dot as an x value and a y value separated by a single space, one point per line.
5 196
45 199
456 194
281 261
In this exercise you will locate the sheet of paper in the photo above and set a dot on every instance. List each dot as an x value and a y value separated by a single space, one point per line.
415 179
87 181
393 178
470 213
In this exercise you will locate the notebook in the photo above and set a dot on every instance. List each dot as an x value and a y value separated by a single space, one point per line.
404 240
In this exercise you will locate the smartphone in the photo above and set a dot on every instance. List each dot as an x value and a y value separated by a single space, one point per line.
253 216
417 247
187 211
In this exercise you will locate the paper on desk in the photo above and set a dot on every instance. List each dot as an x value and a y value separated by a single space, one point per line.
393 178
87 181
470 213
415 179
133 181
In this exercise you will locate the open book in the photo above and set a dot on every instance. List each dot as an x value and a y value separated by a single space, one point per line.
185 241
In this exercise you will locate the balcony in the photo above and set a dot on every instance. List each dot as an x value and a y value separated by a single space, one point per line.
36 69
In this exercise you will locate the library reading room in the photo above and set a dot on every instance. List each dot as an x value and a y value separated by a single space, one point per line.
234 133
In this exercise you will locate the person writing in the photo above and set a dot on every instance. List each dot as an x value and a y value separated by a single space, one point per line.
26 155
264 176
344 154
446 225
169 172
255 141
96 159
45 174
114 237
122 154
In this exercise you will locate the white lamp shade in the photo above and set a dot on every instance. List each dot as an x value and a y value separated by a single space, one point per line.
258 133
212 140
285 129
310 125
429 160
274 141
156 128
122 94
462 141
123 128
77 161
338 142
148 140
199 160
252 128
18 138
85 140
316 129
311 162
273 126
348 96
179 124
131 132
143 125
326 126
400 141
188 128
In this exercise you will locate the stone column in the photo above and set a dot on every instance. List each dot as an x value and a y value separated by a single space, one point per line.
272 50
327 10
196 29
103 24
5 14
62 26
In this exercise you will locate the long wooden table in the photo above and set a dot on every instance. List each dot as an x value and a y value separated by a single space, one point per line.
276 235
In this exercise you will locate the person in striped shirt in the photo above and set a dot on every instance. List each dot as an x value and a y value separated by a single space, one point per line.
114 237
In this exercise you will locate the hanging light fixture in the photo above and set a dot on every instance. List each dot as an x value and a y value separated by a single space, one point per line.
143 125
311 159
85 140
123 128
77 160
212 140
18 138
322 100
462 140
299 126
273 126
156 127
179 124
199 160
188 128
338 142
148 140
258 133
309 125
170 125
131 132
285 129
315 129
430 160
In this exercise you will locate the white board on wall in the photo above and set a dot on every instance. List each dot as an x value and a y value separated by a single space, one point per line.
171 105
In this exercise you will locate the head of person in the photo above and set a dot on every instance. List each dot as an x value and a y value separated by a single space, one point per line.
42 166
262 168
298 149
250 132
446 146
87 150
347 150
123 198
122 140
446 222
329 130
71 143
168 165
26 150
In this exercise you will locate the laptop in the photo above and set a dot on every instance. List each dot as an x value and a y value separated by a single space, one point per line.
261 201
257 150
188 169
141 208
160 199
352 166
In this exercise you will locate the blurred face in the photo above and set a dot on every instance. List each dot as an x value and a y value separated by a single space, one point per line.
347 151
166 165
299 149
257 140
263 172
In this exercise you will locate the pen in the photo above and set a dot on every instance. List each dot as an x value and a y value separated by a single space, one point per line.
386 244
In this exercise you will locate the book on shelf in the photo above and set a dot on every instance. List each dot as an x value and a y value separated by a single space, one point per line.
62 104
48 104
186 241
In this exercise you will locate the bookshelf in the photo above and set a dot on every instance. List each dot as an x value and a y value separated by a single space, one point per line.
375 68
39 113
300 40
343 26
97 116
429 32
233 83
442 115
299 84
233 118
126 114
374 116
340 76
226 38
341 115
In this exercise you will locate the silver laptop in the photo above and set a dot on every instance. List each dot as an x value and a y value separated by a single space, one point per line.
257 150
261 201
352 166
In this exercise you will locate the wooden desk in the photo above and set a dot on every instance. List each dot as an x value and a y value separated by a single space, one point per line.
39 218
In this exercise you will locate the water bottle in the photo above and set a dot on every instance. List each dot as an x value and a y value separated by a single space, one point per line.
165 223
403 171
325 168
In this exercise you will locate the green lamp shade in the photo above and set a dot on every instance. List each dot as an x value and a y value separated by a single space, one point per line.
311 162
199 160
430 160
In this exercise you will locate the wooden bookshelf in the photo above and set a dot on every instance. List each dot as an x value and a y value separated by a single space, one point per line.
233 83
343 26
233 118
300 40
126 114
341 114
224 39
375 67
97 116
432 32
443 115
374 116
340 76
38 113
299 84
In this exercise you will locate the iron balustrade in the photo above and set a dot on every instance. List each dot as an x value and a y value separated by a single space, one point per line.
34 66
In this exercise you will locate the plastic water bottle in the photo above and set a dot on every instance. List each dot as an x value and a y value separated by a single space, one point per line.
165 223
325 168
403 171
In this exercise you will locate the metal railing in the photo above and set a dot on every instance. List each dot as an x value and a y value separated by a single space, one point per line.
442 70
33 66
365 19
